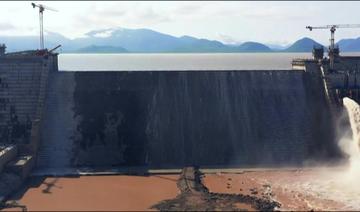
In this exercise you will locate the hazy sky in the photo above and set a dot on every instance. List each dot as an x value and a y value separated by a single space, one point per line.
268 22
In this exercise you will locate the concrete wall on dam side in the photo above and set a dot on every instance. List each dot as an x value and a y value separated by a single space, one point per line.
171 119
23 84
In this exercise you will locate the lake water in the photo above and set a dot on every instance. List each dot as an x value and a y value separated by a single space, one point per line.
171 62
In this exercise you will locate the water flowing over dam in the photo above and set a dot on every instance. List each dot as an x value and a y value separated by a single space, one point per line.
171 119
353 110
351 146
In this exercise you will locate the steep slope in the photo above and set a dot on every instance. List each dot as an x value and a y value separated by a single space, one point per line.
19 43
192 44
303 45
252 47
150 41
102 49
134 40
349 45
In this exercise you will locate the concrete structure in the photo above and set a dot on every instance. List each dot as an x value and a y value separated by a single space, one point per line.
23 83
342 81
2 49
22 166
7 154
170 119
307 65
167 119
23 86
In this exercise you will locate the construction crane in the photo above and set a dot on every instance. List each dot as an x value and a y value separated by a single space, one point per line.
332 38
41 11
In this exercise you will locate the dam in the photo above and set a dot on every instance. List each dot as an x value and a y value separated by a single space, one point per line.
60 120
173 119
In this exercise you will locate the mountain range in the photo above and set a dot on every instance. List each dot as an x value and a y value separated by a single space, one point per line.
101 49
122 40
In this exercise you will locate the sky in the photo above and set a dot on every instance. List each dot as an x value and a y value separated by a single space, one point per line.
230 22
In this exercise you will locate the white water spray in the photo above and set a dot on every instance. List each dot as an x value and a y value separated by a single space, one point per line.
339 184
351 146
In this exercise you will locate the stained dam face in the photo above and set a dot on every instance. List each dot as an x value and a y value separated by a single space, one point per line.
171 119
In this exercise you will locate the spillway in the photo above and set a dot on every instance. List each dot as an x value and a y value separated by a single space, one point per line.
163 119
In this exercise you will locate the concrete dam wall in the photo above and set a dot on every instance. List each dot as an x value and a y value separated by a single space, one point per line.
172 119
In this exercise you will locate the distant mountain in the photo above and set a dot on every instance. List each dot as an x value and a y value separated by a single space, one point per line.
192 44
149 41
101 49
19 43
349 45
303 45
134 40
253 47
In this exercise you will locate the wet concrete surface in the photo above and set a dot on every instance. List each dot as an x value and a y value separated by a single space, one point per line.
176 119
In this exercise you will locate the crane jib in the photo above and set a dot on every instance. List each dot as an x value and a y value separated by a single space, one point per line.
334 26
332 50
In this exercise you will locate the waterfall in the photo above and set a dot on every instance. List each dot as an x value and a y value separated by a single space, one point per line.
350 146
171 119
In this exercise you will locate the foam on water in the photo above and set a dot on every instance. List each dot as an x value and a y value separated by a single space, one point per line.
350 146
329 188
344 185
341 185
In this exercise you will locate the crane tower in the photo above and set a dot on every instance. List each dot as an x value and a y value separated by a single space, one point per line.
332 38
41 11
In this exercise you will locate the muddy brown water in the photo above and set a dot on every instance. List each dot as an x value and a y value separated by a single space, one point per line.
105 193
295 190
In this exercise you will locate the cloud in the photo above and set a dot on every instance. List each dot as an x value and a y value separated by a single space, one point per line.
228 39
111 12
148 15
6 27
111 16
234 20
260 11
188 9
100 33
273 13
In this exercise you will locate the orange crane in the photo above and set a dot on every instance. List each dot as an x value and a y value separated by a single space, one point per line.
332 38
41 11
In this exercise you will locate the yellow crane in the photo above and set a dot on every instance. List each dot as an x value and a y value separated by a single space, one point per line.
332 38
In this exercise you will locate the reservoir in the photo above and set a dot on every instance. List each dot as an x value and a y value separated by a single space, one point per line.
180 61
